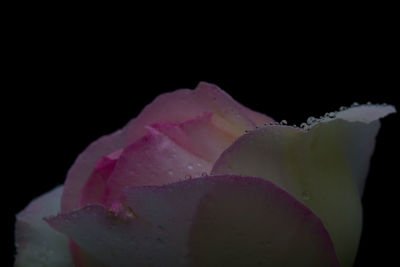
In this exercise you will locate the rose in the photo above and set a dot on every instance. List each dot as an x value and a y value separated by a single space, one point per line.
193 181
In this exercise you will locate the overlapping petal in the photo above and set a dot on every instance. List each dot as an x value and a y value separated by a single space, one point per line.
185 104
94 188
229 117
168 153
153 160
143 195
209 221
84 165
37 243
324 167
199 136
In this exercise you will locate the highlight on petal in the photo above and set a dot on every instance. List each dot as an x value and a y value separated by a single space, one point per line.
198 135
209 221
37 243
324 167
185 104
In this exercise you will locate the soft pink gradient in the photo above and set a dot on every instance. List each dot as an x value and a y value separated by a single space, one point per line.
228 117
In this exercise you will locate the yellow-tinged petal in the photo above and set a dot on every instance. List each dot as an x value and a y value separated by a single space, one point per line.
324 167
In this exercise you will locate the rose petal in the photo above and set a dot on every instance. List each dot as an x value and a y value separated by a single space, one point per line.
257 118
82 258
198 136
153 160
181 105
37 243
83 166
185 104
93 190
211 221
324 168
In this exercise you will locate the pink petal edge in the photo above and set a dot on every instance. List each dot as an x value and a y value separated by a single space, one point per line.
158 221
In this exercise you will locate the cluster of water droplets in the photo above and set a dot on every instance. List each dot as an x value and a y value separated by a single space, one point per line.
311 121
356 104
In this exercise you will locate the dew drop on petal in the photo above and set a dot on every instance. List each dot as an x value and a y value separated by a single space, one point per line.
310 120
304 125
331 114
283 122
190 167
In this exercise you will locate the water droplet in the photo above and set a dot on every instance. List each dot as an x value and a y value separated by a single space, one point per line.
283 122
369 103
246 131
331 114
204 174
355 104
342 108
304 125
190 167
170 173
311 120
187 176
198 164
306 195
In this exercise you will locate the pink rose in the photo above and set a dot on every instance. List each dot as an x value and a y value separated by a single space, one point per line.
197 179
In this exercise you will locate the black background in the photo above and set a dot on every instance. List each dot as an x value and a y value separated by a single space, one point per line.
68 85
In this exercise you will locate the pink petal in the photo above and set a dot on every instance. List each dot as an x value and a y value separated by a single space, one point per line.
185 104
153 160
211 221
37 243
93 190
181 105
257 118
199 136
83 166
324 167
